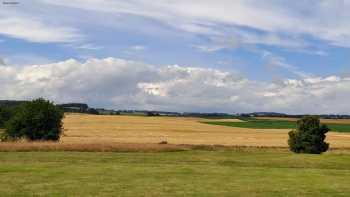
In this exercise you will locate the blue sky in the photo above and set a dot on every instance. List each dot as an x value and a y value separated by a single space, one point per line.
267 42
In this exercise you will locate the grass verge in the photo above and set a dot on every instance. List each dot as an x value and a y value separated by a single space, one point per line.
23 146
88 147
185 173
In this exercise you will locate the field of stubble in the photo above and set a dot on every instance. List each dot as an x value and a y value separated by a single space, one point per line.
80 128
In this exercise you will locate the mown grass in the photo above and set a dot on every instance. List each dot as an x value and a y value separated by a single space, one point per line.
188 173
276 124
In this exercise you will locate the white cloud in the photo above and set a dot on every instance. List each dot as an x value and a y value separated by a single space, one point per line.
238 38
279 62
284 23
16 25
88 47
137 48
123 84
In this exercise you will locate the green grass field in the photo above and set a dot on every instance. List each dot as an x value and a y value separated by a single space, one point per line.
276 124
187 173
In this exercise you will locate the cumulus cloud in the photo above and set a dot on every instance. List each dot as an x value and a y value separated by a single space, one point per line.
123 84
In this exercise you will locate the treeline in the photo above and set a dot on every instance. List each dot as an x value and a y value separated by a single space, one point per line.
77 108
8 105
281 115
210 115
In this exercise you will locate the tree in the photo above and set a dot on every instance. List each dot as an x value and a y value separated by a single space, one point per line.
152 114
309 136
36 120
5 115
92 111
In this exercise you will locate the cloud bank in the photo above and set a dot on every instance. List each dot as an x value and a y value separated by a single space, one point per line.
124 84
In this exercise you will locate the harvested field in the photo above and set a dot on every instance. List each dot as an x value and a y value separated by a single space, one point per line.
92 129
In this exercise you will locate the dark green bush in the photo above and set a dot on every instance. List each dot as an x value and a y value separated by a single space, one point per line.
92 111
309 136
36 120
5 115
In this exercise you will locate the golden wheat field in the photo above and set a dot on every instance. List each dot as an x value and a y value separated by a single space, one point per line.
80 128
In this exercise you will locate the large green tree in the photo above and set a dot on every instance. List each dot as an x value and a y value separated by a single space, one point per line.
309 137
36 120
5 115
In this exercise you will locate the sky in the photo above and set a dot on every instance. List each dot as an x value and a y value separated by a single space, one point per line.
179 55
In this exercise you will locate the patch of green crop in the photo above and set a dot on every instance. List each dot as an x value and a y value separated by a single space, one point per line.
276 124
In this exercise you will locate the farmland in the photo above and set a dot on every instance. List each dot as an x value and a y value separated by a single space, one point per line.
121 155
96 130
335 125
175 130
